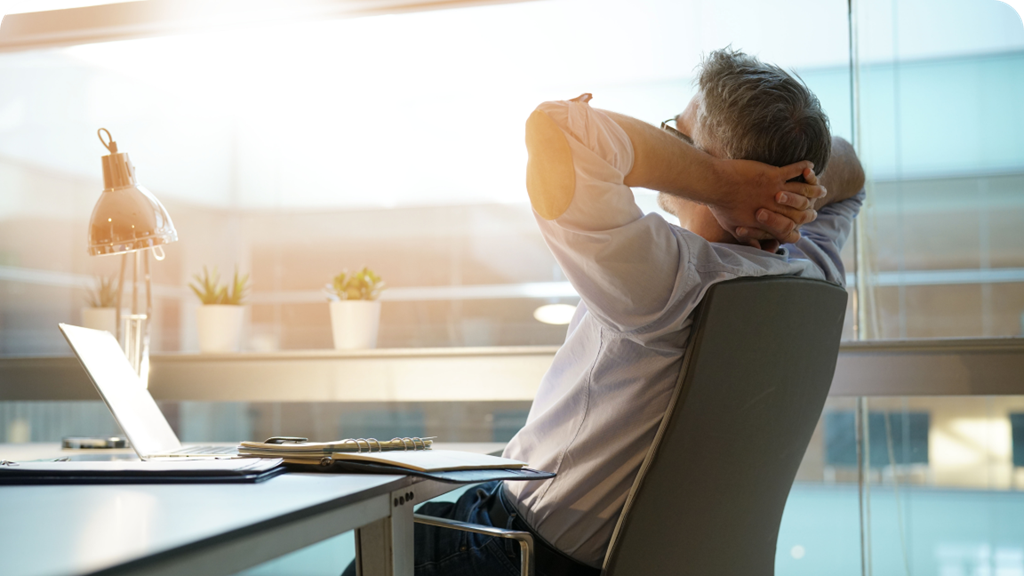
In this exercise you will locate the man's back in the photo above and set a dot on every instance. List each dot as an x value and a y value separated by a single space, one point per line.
639 280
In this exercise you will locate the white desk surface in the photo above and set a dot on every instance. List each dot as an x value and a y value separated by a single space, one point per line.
82 529
49 530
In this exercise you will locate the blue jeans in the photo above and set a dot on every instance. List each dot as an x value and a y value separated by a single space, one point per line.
446 552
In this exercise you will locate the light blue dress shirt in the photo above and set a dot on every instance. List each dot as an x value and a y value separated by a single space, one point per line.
639 279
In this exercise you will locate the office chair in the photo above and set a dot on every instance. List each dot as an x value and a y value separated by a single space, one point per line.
709 496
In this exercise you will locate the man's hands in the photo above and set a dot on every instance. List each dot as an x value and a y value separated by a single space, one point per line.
759 205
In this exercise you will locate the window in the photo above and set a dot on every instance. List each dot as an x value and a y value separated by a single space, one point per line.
942 138
300 149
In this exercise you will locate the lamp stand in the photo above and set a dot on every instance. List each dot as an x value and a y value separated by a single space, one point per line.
133 329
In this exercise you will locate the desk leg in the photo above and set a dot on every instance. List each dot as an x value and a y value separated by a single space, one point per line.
385 547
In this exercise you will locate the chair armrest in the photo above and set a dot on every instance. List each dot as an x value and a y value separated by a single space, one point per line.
525 539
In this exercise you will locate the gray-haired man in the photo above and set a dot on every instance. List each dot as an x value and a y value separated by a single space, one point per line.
639 279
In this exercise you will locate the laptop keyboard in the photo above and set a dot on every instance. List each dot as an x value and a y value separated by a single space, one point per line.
200 450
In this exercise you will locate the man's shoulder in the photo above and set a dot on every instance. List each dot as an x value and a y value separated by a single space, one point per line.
718 261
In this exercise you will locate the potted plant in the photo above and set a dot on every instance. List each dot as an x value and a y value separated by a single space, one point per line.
220 317
355 310
101 311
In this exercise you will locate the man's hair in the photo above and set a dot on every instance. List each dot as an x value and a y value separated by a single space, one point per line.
756 111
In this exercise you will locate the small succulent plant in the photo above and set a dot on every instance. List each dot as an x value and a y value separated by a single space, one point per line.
104 295
363 285
210 291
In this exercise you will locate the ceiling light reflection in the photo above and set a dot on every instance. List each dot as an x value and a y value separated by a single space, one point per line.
558 314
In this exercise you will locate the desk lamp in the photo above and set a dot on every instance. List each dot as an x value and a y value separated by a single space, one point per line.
128 219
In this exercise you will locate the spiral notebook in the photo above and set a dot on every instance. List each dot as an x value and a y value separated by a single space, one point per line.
408 453
282 445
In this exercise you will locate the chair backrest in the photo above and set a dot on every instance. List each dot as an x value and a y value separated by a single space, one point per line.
709 496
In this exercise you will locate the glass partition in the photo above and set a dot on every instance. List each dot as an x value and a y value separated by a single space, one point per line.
941 134
460 422
941 494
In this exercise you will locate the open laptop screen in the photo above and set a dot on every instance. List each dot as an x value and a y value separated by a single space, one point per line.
129 401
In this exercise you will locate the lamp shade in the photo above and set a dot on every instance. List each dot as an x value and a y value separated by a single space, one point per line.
127 217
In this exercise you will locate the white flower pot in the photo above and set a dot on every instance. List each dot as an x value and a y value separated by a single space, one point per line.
100 319
355 323
220 327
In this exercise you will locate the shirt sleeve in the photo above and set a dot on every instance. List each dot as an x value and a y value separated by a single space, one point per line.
822 241
625 265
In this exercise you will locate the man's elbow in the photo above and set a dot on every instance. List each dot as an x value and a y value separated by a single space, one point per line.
856 169
852 170
550 176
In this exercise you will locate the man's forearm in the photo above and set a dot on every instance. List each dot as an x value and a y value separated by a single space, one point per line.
665 163
743 195
843 177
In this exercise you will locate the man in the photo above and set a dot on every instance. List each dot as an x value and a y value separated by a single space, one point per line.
639 279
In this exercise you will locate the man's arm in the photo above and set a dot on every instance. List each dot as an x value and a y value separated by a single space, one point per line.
740 193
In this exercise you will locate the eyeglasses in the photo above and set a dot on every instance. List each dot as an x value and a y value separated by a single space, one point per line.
673 131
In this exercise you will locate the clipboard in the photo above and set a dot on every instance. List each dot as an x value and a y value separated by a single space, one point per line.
206 471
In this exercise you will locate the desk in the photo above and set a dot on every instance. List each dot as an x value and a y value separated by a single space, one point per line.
198 529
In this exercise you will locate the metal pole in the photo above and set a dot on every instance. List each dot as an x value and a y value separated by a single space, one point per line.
144 361
120 296
860 315
863 433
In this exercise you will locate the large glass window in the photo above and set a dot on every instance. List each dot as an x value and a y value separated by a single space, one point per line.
296 150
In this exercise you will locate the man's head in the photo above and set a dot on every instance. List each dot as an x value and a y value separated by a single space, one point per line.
747 109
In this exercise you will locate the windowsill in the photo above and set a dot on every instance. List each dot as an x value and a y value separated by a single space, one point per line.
962 367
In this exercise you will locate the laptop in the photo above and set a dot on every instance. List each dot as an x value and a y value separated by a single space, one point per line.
128 400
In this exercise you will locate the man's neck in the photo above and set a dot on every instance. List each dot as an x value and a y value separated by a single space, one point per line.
699 220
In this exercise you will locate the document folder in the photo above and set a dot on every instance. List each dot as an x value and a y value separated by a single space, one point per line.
463 476
401 456
152 472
